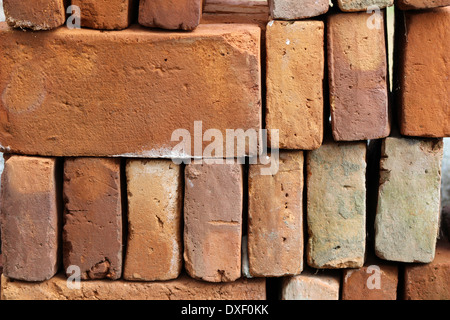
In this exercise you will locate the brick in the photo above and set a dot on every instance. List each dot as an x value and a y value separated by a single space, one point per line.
275 225
92 232
213 206
35 15
363 5
295 72
424 85
183 288
430 281
170 14
311 286
106 14
297 9
98 96
420 4
31 218
336 205
154 247
407 219
357 78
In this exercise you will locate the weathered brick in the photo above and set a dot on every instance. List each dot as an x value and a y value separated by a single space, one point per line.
420 4
363 5
275 225
430 281
295 72
357 77
31 218
407 219
84 93
183 288
92 232
170 14
106 14
311 286
35 15
154 247
424 66
213 206
336 205
297 9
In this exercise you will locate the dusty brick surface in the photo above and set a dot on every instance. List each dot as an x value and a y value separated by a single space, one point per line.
297 9
363 5
311 286
420 4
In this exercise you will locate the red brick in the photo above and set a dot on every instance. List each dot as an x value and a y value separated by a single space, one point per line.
420 4
92 234
30 218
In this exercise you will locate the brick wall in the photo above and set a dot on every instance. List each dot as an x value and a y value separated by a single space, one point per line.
253 150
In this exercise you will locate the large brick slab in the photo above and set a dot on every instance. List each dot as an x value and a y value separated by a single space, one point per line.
311 286
85 93
297 9
31 218
407 219
154 246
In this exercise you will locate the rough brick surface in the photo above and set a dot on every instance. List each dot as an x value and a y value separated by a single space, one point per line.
154 246
92 233
363 5
84 93
183 288
295 71
213 221
424 66
407 219
35 15
357 76
420 4
297 9
170 14
30 218
311 286
106 14
275 225
430 281
336 205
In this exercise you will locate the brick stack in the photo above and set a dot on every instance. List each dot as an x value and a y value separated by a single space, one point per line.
105 194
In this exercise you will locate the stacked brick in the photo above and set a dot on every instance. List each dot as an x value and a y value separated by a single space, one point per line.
105 194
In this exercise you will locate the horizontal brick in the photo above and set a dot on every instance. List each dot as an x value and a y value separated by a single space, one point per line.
183 288
295 72
84 93
311 286
420 4
363 5
31 218
297 9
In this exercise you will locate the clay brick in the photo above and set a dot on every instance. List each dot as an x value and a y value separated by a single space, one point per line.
106 14
183 288
213 206
170 14
31 218
297 9
295 71
311 286
35 15
92 233
430 281
336 205
420 4
84 93
363 5
154 247
275 225
424 66
407 219
357 77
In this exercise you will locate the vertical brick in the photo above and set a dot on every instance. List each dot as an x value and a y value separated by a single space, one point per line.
275 226
295 71
154 247
213 221
35 15
336 205
430 281
358 78
170 14
297 9
407 219
30 218
106 14
311 286
420 4
423 75
363 5
92 234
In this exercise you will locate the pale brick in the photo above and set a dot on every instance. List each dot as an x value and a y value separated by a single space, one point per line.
311 286
368 6
297 9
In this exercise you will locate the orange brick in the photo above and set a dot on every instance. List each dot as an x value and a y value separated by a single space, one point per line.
420 4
